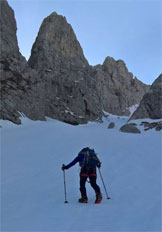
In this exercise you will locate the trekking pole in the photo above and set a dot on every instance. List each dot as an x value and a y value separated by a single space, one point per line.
103 184
65 186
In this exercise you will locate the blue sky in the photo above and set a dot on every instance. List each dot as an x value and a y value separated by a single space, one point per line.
123 29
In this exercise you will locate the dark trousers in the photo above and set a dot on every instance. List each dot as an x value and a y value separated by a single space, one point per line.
84 174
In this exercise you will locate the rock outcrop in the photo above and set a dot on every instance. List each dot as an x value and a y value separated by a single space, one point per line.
8 41
56 42
151 125
74 86
116 87
111 125
18 81
130 128
57 81
151 104
58 58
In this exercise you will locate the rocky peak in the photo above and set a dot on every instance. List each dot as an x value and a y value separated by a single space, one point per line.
56 39
151 104
157 85
17 80
58 58
115 68
116 87
8 40
57 81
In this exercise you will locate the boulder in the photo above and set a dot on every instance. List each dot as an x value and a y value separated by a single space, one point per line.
159 126
149 125
111 125
130 128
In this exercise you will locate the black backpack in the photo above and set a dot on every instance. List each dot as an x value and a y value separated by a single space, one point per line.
90 158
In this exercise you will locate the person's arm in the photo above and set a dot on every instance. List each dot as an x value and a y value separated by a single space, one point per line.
76 160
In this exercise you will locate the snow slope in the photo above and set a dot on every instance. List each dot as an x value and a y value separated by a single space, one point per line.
32 191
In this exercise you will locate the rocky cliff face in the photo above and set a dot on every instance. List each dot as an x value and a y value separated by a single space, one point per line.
84 90
8 41
58 81
56 42
116 87
19 83
151 104
58 58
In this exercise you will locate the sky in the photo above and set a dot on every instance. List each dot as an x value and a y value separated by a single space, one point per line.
130 30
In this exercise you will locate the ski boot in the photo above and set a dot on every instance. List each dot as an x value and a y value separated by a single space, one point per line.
83 200
98 198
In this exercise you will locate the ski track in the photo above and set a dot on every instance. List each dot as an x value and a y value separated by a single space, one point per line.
32 191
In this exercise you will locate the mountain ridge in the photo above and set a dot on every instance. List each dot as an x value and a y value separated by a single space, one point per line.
58 82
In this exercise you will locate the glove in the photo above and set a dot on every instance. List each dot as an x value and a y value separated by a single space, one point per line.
99 164
63 167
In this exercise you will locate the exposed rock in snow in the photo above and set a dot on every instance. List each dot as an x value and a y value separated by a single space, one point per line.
130 128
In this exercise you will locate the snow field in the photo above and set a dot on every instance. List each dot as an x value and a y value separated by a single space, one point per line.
32 191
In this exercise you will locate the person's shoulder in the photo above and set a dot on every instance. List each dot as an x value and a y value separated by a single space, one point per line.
82 152
85 149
